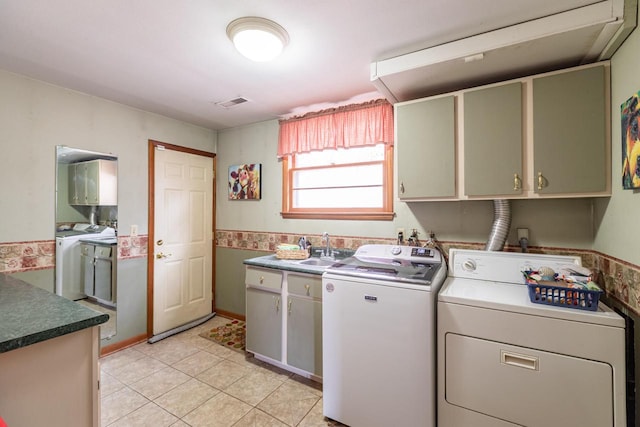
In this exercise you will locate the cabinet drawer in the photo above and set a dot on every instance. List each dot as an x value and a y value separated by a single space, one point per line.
263 277
308 286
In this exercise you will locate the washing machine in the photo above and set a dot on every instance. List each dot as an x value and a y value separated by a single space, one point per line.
378 336
505 361
68 281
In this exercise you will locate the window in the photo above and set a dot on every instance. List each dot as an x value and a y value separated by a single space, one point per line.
338 163
354 183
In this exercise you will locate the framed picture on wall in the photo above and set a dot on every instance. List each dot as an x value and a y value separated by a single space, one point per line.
244 181
630 115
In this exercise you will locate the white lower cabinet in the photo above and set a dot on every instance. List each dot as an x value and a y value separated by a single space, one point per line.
284 322
304 323
264 320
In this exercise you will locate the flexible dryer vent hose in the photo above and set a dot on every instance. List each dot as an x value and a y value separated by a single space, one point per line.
501 224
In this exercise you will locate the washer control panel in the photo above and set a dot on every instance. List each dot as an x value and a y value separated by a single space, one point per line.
410 253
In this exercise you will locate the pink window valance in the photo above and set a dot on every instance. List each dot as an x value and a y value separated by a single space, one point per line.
343 127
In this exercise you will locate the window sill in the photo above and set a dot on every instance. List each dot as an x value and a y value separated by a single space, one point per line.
357 216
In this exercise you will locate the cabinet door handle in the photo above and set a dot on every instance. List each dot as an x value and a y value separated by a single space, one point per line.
289 308
308 287
401 187
540 181
517 182
277 304
261 280
519 360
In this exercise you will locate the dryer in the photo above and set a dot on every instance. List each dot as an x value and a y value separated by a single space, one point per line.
505 361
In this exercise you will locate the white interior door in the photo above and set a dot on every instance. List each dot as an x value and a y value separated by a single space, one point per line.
182 247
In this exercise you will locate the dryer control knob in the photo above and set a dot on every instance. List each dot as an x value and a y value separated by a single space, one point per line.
469 265
396 250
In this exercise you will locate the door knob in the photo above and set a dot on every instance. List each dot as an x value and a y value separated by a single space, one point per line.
160 255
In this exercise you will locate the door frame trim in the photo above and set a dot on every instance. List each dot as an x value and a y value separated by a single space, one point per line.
151 224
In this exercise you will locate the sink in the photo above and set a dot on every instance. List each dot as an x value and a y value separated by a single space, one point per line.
317 262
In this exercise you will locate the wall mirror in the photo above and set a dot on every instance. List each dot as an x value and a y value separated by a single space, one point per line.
86 230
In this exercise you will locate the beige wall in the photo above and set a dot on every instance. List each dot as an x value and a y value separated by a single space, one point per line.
618 232
34 118
551 222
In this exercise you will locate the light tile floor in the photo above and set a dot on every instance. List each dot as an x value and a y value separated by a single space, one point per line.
187 380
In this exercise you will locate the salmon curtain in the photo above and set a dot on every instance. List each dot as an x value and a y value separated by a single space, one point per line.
354 125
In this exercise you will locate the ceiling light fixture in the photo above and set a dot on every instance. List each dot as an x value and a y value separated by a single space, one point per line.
258 39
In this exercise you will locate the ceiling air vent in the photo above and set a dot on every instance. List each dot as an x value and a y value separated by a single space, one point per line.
232 102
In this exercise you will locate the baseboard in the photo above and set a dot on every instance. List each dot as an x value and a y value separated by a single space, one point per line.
120 345
230 315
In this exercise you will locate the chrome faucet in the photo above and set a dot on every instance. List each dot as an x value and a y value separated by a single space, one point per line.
326 242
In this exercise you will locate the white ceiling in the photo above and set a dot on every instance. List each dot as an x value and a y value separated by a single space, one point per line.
173 57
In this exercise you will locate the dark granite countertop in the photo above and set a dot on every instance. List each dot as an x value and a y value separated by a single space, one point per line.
313 265
29 315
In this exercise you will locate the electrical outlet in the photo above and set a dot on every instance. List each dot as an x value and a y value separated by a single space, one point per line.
523 233
134 231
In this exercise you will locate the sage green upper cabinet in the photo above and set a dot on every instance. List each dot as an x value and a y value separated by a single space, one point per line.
93 182
425 147
493 141
570 145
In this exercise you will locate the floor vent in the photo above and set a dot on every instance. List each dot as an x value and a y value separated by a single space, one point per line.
232 102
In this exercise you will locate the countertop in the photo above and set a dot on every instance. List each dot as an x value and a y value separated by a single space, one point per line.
105 241
29 315
271 261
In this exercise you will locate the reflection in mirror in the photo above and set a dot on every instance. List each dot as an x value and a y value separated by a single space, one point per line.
86 229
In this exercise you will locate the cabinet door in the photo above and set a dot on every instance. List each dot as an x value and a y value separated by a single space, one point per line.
425 146
569 132
264 323
87 268
103 273
92 182
493 141
304 334
107 183
72 177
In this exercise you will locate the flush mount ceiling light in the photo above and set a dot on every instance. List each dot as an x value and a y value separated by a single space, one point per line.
258 39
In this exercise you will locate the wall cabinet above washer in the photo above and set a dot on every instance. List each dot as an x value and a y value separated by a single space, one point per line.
543 136
93 182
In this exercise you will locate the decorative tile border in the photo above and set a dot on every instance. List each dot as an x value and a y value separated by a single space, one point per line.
132 247
618 278
264 241
24 256
39 255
